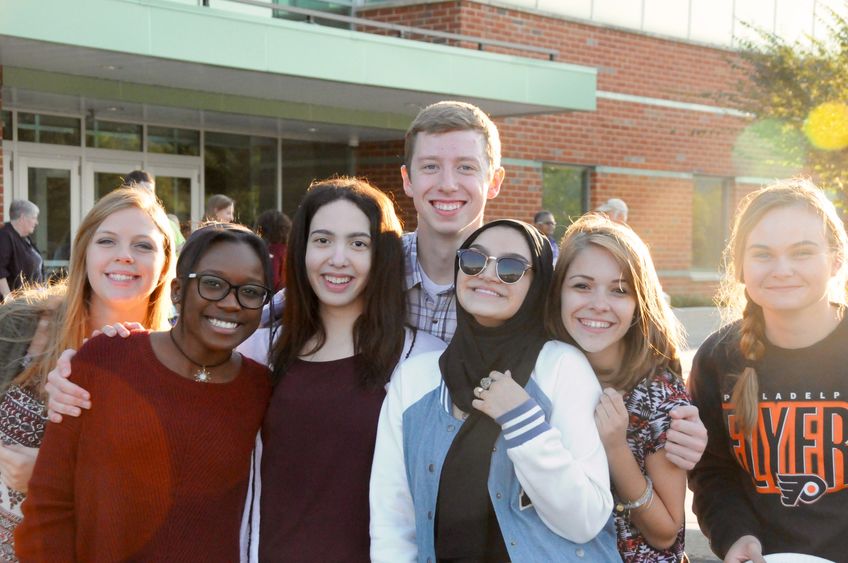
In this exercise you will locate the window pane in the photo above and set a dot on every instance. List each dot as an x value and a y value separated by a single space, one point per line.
50 190
175 193
708 224
169 140
105 182
53 129
244 168
563 194
7 124
112 135
304 162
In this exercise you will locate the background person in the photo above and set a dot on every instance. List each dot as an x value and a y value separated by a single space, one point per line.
546 223
120 271
220 208
772 385
615 209
20 261
274 227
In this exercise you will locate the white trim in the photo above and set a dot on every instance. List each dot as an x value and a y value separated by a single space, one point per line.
644 172
672 104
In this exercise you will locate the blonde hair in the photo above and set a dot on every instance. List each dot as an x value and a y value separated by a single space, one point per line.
653 342
449 116
732 297
71 314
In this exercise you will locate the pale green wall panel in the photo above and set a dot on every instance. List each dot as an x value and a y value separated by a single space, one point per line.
170 30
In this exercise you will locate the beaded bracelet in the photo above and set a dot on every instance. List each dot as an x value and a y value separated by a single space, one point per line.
646 498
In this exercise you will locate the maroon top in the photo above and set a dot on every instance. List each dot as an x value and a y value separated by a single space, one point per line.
318 443
157 469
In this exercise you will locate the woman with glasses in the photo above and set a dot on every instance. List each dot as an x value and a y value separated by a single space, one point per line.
489 451
160 468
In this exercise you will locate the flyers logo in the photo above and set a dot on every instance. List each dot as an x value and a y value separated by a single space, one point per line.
799 449
795 488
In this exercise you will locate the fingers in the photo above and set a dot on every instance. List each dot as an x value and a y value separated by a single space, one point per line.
133 326
680 462
689 412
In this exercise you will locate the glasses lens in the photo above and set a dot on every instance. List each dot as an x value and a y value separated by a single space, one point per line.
510 270
212 288
471 262
252 296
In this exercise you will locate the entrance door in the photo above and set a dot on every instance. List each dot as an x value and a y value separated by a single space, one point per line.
177 188
53 185
102 176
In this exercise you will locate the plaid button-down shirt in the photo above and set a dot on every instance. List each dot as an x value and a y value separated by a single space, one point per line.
435 314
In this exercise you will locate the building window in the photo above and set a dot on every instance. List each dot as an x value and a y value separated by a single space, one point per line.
170 140
52 129
304 162
243 167
112 135
6 116
710 213
565 193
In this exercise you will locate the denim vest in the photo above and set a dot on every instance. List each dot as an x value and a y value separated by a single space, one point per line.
428 433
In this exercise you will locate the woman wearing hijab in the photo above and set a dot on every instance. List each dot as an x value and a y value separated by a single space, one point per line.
489 450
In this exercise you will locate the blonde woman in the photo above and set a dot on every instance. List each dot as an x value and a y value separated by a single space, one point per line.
606 298
120 271
772 384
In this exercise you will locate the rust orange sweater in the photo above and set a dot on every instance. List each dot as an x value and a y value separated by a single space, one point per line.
156 470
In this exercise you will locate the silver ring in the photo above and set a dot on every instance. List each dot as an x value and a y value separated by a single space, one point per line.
477 391
486 382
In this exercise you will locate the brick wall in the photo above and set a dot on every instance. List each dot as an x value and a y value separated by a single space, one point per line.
619 134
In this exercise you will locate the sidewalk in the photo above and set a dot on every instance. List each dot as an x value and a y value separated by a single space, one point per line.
700 322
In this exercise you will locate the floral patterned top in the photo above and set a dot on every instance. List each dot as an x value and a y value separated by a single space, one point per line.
649 405
23 418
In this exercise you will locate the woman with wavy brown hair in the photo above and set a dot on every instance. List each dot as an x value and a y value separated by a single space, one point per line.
120 271
771 385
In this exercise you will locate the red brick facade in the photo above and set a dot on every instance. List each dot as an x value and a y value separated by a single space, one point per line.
665 134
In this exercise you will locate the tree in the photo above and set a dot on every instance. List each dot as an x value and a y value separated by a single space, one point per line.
798 93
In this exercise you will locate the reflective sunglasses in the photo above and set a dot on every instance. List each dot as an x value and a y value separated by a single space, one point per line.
509 270
214 288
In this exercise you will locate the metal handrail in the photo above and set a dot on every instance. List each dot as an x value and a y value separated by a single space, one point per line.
402 30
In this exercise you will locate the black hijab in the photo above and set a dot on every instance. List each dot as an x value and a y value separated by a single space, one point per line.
466 527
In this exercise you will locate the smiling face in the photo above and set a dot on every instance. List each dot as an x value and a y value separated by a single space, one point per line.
787 262
449 180
124 260
338 256
207 327
598 304
490 301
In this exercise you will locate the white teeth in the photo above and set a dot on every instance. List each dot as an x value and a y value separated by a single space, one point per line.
486 291
595 324
337 279
447 206
120 277
222 324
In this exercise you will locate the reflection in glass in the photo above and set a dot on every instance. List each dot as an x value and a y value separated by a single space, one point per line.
709 222
304 162
105 182
565 194
175 194
112 135
244 168
6 116
53 129
50 190
170 140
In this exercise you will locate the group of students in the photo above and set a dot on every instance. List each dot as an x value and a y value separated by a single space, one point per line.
448 394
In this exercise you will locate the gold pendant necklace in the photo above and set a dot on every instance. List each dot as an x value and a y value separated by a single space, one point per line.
202 375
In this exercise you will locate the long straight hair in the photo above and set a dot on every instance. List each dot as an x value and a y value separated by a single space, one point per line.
70 322
734 300
654 339
379 332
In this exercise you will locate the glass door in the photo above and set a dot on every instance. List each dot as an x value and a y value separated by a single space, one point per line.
177 188
52 185
102 176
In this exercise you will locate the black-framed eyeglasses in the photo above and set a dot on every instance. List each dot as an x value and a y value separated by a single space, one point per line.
509 270
215 288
